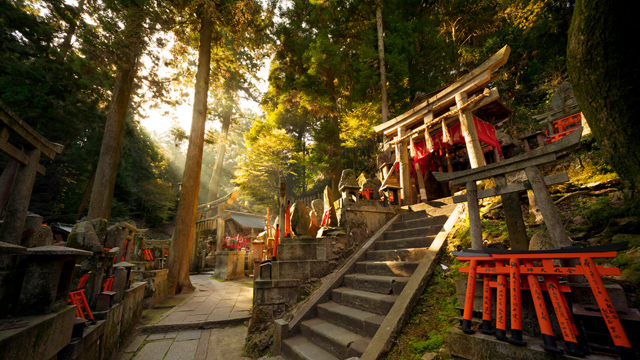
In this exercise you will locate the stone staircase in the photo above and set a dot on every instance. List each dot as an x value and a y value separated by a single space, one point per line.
344 325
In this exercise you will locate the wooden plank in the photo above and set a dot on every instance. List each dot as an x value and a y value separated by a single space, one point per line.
483 72
513 216
513 188
485 173
564 144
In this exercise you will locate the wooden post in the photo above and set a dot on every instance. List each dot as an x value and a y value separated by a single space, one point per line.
282 206
219 229
547 207
540 141
496 155
403 156
513 216
550 126
423 191
18 205
475 224
468 128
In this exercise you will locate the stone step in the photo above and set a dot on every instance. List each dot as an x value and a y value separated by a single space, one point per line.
413 215
387 268
421 222
364 300
358 321
410 233
409 243
336 340
299 348
408 254
376 283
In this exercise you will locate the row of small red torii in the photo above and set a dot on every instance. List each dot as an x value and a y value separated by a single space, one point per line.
503 263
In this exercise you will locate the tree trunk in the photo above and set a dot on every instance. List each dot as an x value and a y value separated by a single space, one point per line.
66 43
178 278
605 78
87 194
214 184
107 169
383 76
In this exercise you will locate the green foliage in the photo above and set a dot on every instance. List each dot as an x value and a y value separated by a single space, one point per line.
433 343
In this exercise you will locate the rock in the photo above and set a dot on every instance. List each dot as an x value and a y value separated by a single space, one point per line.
373 183
45 236
314 225
496 245
578 220
30 232
633 239
84 236
595 241
541 241
348 179
317 206
328 205
617 198
100 226
300 219
114 234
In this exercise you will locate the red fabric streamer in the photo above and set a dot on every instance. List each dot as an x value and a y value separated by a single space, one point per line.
486 134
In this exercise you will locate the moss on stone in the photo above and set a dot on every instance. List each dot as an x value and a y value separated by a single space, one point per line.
72 241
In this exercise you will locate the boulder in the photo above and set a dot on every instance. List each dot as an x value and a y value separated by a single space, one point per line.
318 208
348 179
541 241
314 225
30 232
328 205
84 236
300 219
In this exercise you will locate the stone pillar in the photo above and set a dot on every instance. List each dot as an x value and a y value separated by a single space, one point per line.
6 183
468 128
219 230
119 283
403 156
16 213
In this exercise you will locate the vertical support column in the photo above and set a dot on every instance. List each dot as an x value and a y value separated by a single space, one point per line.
468 128
541 312
501 308
467 316
475 224
564 317
403 157
513 216
547 207
219 229
608 311
516 316
423 191
18 205
486 305
7 180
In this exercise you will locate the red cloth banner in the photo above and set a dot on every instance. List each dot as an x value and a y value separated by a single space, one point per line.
486 134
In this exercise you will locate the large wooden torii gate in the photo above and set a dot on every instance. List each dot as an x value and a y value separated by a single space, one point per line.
453 100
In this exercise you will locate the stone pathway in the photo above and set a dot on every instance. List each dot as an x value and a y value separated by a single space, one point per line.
213 300
213 344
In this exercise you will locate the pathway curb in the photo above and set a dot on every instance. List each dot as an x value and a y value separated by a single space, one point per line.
196 325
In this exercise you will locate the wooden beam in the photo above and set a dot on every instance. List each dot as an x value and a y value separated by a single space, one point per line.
480 76
469 132
514 188
405 173
475 223
27 135
548 209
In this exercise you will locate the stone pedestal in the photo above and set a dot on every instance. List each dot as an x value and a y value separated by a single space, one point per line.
229 265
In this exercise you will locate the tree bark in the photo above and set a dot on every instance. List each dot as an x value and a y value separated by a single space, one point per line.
87 194
214 184
107 169
66 43
383 76
605 77
178 278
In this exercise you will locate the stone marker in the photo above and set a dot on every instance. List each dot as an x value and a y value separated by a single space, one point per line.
373 183
114 234
317 206
119 283
300 219
328 204
348 179
45 236
31 228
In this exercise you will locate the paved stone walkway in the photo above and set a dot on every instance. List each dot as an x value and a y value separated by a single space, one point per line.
213 300
214 344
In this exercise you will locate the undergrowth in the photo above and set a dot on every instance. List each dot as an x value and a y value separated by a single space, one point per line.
430 319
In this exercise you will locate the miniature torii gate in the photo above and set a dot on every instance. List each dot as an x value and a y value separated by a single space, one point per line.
205 220
455 97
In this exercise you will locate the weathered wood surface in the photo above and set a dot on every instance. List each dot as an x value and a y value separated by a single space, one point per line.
548 209
513 188
513 216
469 132
477 78
520 162
405 174
475 224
